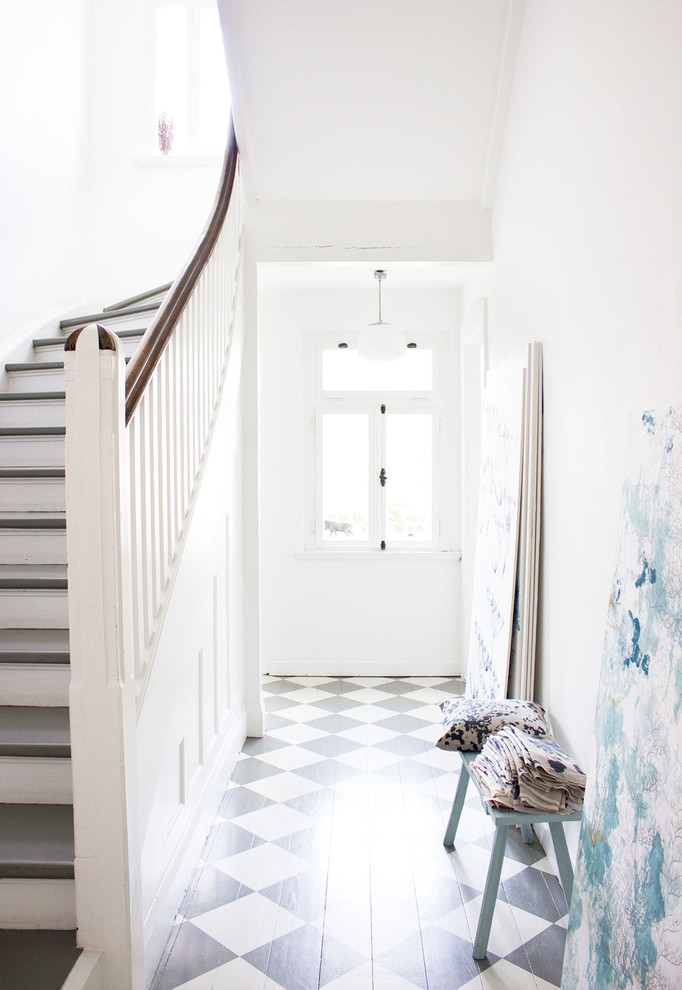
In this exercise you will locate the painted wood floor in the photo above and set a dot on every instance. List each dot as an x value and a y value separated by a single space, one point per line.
326 868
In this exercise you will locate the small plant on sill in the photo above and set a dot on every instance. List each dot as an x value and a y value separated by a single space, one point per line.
166 133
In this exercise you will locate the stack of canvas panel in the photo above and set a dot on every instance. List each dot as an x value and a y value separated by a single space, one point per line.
522 661
497 533
501 659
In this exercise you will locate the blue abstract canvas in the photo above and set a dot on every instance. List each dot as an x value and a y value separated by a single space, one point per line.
625 927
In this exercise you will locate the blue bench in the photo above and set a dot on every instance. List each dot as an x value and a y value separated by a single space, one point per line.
503 820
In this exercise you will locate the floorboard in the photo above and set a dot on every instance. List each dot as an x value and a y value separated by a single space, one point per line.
325 867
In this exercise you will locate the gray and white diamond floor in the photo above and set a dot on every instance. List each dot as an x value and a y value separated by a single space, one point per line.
325 867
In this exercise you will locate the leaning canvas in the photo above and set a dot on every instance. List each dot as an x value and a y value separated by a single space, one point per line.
625 927
497 533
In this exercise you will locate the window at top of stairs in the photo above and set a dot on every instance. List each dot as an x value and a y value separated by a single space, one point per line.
188 97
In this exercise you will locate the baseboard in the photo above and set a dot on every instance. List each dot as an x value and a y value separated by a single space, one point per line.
255 721
363 668
196 825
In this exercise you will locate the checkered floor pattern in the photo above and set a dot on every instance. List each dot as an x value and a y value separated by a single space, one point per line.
326 868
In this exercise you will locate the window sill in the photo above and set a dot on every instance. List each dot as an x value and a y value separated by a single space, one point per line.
171 161
440 556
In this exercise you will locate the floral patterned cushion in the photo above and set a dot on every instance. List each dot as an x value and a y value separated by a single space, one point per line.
468 722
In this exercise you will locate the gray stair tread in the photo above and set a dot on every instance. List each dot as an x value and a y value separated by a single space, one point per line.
80 321
36 841
29 731
38 366
148 294
32 396
26 473
32 431
35 366
34 646
43 577
52 341
36 960
32 520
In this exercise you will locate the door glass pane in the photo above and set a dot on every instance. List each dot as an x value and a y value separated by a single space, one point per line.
344 371
409 488
345 477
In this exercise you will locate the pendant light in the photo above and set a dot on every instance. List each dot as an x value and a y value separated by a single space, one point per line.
380 341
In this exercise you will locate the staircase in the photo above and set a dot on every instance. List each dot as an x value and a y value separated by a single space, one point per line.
37 913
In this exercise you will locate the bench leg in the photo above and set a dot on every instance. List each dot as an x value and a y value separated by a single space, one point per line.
562 858
527 834
457 805
490 893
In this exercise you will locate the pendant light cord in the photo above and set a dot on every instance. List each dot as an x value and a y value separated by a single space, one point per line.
380 275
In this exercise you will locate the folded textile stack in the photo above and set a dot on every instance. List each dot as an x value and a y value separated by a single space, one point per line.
520 772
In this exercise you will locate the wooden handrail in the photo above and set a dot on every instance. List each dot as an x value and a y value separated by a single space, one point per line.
159 332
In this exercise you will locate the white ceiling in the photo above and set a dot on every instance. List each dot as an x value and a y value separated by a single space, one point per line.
360 275
370 100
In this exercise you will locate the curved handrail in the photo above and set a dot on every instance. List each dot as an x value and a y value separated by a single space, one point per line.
159 332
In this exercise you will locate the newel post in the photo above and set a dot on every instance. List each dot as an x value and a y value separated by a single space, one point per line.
101 695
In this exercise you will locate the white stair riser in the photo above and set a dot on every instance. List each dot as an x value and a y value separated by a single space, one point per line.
31 609
35 780
36 381
32 494
26 904
50 412
32 451
55 352
33 546
42 684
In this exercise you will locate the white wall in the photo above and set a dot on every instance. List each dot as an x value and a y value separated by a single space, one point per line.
350 616
41 157
84 220
588 259
144 219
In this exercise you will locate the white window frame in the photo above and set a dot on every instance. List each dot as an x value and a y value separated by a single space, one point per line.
436 402
149 135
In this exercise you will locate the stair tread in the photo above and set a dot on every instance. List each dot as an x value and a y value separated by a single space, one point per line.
32 520
45 577
40 366
32 431
27 473
34 639
32 396
34 646
36 841
32 959
103 316
34 731
53 341
148 294
35 366
10 657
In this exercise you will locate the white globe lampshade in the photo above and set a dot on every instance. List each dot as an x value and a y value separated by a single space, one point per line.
380 342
